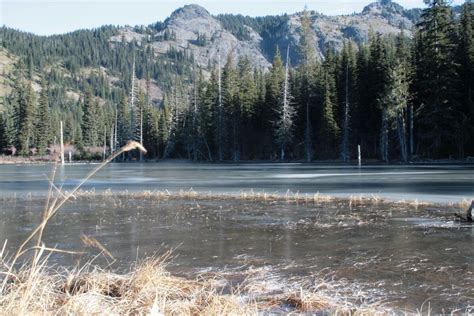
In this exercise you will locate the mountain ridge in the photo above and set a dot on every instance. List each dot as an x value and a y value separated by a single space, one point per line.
193 33
204 35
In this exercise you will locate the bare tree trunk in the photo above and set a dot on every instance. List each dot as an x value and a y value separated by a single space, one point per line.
220 116
62 142
141 131
359 156
307 135
115 130
411 130
111 140
133 92
195 115
171 131
236 153
173 122
402 137
209 153
284 131
236 133
384 137
105 144
345 126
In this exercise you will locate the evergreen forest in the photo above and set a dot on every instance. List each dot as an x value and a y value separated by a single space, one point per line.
400 98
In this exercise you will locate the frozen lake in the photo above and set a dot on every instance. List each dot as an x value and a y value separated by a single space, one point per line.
401 254
434 183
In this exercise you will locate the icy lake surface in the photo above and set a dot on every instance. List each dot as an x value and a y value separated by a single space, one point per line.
435 183
403 256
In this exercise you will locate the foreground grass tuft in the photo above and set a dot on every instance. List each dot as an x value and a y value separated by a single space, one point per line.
148 289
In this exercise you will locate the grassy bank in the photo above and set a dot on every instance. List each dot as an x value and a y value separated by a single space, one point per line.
150 289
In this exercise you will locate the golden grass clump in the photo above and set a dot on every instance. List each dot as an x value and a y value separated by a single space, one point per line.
307 301
148 289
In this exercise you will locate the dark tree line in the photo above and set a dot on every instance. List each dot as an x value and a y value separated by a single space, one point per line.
399 98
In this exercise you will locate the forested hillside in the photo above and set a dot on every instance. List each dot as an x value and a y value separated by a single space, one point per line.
238 88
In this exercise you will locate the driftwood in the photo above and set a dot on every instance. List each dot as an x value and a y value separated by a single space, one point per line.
468 217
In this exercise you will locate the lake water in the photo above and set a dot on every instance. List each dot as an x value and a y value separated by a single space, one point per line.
435 183
403 255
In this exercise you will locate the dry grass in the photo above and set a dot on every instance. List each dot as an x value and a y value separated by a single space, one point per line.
464 204
148 289
266 197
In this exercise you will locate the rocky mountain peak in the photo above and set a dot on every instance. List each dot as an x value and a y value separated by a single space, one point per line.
192 19
384 7
392 12
194 30
190 11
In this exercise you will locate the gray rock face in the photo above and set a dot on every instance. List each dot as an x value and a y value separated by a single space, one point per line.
384 6
384 17
193 29
192 23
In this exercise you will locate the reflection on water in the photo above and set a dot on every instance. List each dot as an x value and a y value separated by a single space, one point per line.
443 183
398 253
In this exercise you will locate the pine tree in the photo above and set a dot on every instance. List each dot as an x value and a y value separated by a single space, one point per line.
10 133
261 121
395 100
273 94
90 122
151 115
219 113
136 108
26 119
232 109
361 109
405 61
137 114
247 98
379 64
163 126
177 104
43 122
247 91
123 121
284 126
193 134
466 72
329 127
346 87
437 79
209 111
308 61
3 133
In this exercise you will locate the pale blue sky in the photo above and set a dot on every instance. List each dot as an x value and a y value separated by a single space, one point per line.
60 16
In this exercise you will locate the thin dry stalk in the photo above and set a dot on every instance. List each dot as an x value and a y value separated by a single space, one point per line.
52 208
92 242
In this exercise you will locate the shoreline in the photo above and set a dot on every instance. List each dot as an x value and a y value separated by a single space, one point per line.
32 160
